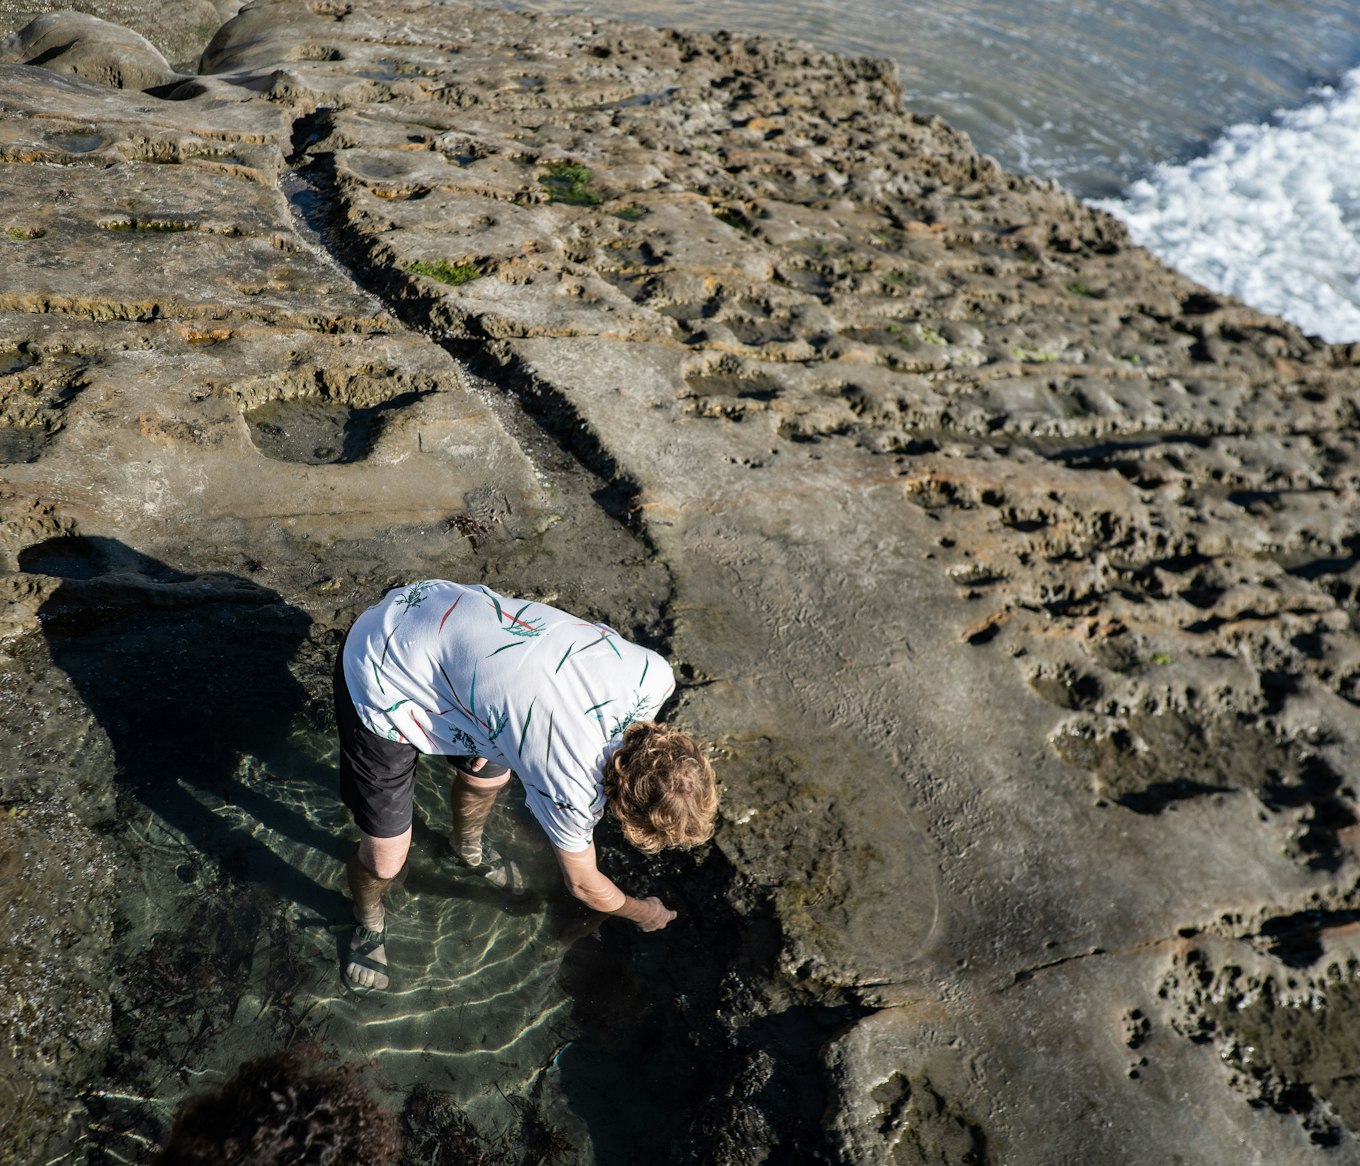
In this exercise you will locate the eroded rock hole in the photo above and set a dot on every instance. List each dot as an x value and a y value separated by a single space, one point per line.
1297 940
32 404
20 443
1287 1041
76 142
317 433
754 331
1154 759
722 385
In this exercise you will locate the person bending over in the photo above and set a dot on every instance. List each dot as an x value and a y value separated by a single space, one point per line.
500 686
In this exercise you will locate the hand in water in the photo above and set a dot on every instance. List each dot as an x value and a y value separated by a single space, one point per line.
658 917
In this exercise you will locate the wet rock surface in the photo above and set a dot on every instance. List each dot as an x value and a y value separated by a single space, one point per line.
1012 575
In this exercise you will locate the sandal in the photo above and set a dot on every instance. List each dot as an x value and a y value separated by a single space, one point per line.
499 871
362 944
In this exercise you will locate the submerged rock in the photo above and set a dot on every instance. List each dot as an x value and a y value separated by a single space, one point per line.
1009 572
56 876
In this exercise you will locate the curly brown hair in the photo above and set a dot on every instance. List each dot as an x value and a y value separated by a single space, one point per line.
285 1109
661 788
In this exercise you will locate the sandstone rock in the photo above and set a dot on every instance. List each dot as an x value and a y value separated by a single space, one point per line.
85 46
179 29
1010 573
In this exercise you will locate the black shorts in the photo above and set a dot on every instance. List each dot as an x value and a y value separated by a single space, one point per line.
378 776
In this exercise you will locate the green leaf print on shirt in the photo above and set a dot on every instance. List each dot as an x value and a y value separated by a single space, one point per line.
528 720
595 709
415 596
494 721
606 636
497 721
561 803
461 739
640 705
516 626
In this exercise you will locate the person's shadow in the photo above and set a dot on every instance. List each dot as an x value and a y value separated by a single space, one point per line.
187 674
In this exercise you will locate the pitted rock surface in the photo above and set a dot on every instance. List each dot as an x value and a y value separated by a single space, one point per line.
1010 573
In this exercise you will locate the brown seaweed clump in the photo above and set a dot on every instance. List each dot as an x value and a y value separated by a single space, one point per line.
284 1108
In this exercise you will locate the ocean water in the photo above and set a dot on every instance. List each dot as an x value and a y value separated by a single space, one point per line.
1221 131
1270 213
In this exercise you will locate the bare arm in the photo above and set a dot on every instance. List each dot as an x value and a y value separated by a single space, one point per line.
598 891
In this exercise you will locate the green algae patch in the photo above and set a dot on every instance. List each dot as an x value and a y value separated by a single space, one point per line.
734 219
569 183
900 280
1034 355
453 274
24 234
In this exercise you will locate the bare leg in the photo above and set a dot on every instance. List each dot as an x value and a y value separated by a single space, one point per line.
371 870
472 799
367 890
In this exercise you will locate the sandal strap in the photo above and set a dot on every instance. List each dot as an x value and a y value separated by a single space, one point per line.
367 937
357 957
452 852
362 944
490 860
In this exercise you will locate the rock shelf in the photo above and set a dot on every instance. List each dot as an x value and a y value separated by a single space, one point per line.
1012 575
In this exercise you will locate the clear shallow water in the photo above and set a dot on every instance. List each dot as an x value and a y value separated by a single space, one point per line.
1118 102
214 974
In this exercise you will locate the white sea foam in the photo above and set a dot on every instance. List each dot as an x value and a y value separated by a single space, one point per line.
1271 214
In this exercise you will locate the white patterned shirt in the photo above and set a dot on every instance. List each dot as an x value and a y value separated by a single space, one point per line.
455 669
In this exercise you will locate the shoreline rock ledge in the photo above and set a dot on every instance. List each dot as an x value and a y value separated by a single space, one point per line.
1013 575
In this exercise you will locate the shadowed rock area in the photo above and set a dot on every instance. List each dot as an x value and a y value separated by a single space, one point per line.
1012 576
